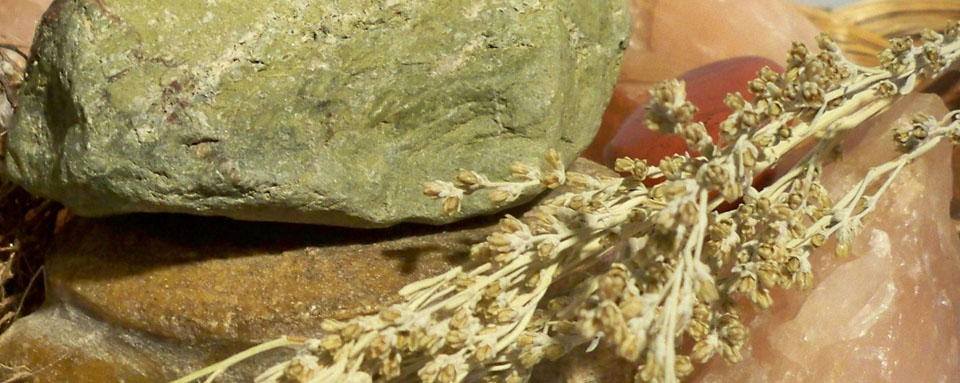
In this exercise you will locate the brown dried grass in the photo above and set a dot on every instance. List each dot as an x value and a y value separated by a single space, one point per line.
27 224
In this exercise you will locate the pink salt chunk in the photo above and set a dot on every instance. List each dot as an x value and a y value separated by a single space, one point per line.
890 313
671 37
19 19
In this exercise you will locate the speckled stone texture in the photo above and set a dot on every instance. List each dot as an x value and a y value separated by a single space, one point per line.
307 112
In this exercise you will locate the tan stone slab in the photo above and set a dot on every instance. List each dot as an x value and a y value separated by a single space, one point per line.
62 344
206 279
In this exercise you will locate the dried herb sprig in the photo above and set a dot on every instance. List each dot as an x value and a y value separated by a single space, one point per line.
679 264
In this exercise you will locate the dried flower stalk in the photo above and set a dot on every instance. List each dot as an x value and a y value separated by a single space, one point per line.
679 264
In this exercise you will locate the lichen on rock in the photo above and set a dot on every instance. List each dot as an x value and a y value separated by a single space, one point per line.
329 113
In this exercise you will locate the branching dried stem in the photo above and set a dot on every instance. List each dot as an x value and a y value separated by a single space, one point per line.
680 265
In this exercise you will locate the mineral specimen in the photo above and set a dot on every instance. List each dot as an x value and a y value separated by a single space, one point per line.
664 43
890 312
310 112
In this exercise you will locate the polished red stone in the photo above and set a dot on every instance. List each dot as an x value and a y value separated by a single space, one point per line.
707 87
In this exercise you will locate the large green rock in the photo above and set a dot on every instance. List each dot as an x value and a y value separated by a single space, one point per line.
329 112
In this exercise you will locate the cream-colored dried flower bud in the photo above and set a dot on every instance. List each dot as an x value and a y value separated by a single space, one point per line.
468 178
624 165
480 251
484 353
901 45
378 346
930 35
698 329
552 180
707 292
510 224
554 160
632 308
670 168
798 53
749 119
612 283
448 374
522 170
683 366
331 325
952 31
734 101
630 348
530 357
492 290
812 93
685 113
843 249
295 371
390 315
732 354
650 372
746 285
784 133
433 189
391 367
499 196
696 137
762 299
547 250
533 280
581 181
768 277
817 240
932 53
526 339
455 338
451 205
762 140
554 351
774 108
756 86
460 318
351 331
702 351
506 315
804 280
514 377
826 43
331 342
429 373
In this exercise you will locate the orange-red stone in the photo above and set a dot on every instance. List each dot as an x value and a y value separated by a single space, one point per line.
707 87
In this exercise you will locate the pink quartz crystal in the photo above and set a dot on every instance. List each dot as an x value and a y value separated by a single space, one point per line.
18 21
670 37
891 312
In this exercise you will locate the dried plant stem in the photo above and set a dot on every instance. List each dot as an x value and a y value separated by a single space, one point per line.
674 266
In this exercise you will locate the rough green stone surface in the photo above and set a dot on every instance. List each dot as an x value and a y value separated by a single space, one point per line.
329 112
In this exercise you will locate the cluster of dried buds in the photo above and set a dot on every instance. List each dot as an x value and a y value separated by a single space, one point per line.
673 265
13 64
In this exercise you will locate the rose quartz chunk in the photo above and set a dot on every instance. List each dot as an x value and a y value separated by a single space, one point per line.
891 312
670 37
18 21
